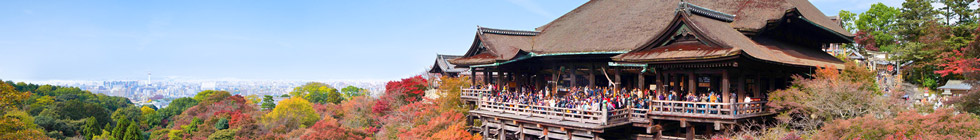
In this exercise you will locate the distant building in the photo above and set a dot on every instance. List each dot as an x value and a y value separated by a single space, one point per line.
955 88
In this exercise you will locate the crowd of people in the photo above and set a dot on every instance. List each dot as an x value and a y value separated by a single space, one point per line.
593 99
604 98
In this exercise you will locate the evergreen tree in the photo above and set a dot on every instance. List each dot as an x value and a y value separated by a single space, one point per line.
133 133
91 128
120 131
221 124
268 103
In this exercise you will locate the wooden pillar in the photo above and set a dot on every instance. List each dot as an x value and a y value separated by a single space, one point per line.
486 127
521 131
690 132
758 86
619 82
772 83
573 77
568 132
725 86
554 77
691 79
486 76
741 87
544 131
591 75
500 79
507 78
672 77
502 135
659 82
473 76
641 80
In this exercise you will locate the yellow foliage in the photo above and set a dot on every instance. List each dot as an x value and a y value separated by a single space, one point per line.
147 110
17 124
253 99
449 91
293 112
10 97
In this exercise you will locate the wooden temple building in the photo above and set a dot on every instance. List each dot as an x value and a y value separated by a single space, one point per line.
738 48
444 68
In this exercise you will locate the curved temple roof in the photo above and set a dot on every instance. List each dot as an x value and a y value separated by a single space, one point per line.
618 26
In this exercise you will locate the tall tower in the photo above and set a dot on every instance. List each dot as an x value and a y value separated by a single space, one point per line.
149 78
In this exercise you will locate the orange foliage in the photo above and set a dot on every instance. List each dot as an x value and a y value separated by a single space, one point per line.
447 125
328 128
455 132
829 72
942 124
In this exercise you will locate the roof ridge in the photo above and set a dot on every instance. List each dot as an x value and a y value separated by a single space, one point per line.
506 31
698 10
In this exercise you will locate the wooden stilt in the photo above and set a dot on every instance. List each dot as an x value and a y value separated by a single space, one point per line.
690 133
520 131
502 135
486 128
568 133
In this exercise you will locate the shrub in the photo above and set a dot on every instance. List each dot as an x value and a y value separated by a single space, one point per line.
828 96
942 124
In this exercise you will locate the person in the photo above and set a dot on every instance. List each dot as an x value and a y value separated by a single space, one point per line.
690 98
747 100
734 96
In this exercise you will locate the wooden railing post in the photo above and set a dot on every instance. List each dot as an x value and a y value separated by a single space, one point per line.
605 114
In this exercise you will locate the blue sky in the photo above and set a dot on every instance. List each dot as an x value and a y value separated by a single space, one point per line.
259 40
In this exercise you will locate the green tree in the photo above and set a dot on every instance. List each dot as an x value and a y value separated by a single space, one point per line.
133 132
318 93
227 134
128 113
211 96
879 22
44 90
91 128
268 103
221 124
913 16
958 12
352 91
176 107
120 130
847 20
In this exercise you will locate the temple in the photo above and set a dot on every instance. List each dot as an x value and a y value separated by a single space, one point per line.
442 67
631 52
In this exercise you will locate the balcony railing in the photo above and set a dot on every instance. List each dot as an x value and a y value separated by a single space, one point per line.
473 94
705 109
682 109
547 112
